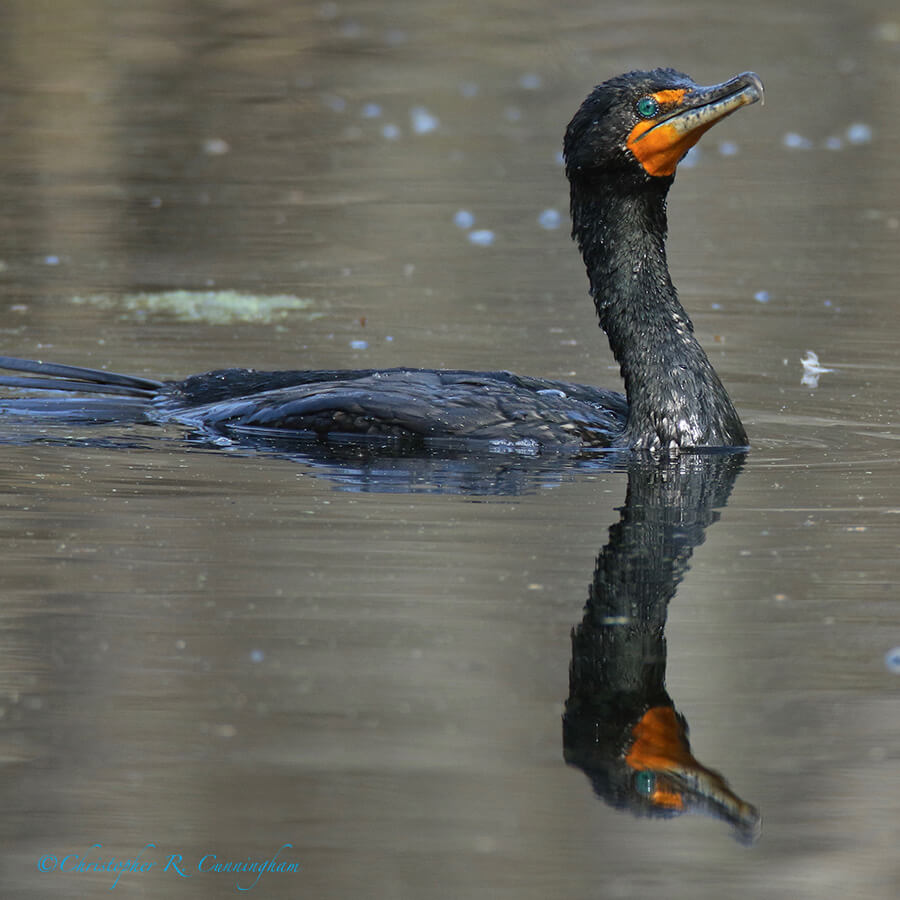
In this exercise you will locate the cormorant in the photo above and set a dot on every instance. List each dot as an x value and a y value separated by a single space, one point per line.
621 151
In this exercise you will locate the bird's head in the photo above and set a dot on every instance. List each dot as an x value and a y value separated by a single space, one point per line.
641 124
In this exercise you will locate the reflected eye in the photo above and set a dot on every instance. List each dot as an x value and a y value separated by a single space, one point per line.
644 783
647 107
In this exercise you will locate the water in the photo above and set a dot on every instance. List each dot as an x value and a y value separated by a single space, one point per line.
219 651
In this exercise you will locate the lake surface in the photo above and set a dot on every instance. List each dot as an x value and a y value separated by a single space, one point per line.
222 652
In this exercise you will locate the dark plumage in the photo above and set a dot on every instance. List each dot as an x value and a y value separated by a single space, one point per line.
621 150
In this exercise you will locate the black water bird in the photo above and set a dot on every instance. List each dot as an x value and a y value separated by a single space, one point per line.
621 151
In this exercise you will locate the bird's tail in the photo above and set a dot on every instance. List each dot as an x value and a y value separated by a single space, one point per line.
131 394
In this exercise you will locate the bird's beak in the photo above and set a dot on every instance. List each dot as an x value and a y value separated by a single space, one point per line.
659 144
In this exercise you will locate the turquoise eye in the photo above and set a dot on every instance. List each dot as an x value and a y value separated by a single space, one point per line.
644 783
647 107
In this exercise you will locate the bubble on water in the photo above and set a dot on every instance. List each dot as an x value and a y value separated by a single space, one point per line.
464 219
691 158
549 219
892 660
371 111
468 89
795 141
257 656
859 133
729 148
359 345
422 121
391 132
762 296
216 147
531 81
833 142
484 237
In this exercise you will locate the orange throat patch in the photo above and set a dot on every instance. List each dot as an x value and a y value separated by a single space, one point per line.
660 147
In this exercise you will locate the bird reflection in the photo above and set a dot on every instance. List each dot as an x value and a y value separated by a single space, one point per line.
620 726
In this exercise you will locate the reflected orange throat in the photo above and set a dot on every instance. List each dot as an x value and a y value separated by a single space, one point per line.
660 745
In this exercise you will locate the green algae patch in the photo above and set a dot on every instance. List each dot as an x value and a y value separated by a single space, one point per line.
212 307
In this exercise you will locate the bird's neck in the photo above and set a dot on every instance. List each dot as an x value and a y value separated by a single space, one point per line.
675 397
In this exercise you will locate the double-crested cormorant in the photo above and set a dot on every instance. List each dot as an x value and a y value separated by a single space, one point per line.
621 151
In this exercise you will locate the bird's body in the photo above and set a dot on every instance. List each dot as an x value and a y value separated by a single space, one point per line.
621 149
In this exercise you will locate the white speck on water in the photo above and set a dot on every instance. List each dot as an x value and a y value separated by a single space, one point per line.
810 363
422 121
359 345
549 219
859 133
257 656
389 337
391 132
892 660
512 114
464 219
371 111
728 148
762 296
834 143
468 89
531 81
484 237
216 147
812 370
795 141
51 260
715 305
